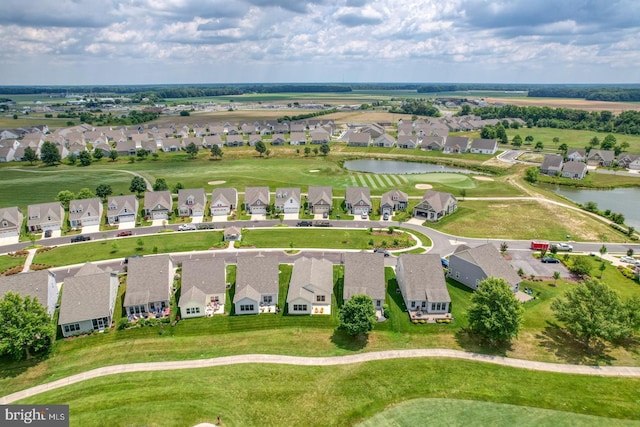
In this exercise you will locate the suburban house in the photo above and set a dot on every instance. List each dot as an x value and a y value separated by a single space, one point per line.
394 200
432 143
122 209
7 152
39 284
149 282
191 202
408 141
456 144
574 169
422 284
124 147
435 204
551 164
287 200
45 216
358 200
311 286
223 201
10 222
278 140
484 146
384 140
373 129
364 274
85 212
211 140
359 139
298 138
203 287
577 154
170 144
471 266
603 158
256 200
629 161
319 136
234 140
253 139
319 199
158 204
256 288
88 301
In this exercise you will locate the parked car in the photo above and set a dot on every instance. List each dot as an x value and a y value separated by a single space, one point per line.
80 238
304 224
550 260
206 226
186 227
322 224
364 216
325 215
124 233
382 251
444 262
628 259
563 247
48 233
385 216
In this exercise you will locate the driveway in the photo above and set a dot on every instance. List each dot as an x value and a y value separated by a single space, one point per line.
9 240
523 259
291 216
127 225
91 229
196 219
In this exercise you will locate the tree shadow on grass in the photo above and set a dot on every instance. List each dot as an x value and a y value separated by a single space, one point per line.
566 347
472 343
12 368
345 341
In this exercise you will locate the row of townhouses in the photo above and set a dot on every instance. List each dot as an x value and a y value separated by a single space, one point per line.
577 161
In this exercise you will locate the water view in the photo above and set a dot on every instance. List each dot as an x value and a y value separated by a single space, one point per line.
619 200
398 167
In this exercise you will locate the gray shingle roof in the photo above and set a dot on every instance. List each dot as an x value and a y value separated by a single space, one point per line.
356 194
253 194
483 144
208 275
155 198
34 284
364 274
148 280
319 194
489 259
227 195
85 297
424 277
256 276
310 274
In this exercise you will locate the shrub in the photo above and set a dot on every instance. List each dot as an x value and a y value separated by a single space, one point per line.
386 311
123 323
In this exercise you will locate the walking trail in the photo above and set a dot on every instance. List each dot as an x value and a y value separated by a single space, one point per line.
608 371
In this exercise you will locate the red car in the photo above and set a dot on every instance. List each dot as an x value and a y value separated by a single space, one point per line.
125 233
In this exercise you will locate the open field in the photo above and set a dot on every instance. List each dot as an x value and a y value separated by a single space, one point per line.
525 220
248 395
319 238
574 103
476 413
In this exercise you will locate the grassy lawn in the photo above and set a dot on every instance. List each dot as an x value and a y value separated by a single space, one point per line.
322 238
124 247
524 220
248 395
6 262
477 413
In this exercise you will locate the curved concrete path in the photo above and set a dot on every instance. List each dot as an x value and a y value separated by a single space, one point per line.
608 371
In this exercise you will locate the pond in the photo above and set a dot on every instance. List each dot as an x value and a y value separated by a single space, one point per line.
618 200
400 168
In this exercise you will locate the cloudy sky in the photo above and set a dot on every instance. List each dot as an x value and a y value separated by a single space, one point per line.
238 41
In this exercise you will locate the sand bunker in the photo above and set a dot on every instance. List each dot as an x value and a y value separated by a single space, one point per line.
482 178
314 170
216 182
424 186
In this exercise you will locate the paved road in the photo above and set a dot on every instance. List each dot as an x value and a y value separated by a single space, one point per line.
608 371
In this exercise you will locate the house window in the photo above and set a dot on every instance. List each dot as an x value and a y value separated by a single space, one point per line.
457 274
413 304
300 307
320 298
444 306
5 223
433 306
424 304
267 299
378 303
72 327
246 307
438 306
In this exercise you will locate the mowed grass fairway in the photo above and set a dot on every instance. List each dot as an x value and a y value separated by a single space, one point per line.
523 219
266 395
450 412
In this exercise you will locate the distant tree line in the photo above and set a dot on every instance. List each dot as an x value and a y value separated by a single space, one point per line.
305 116
627 122
615 94
417 107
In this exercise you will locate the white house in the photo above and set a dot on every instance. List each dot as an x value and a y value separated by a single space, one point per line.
256 288
203 287
311 286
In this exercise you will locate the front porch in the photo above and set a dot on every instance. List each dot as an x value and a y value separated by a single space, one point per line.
214 308
419 316
321 309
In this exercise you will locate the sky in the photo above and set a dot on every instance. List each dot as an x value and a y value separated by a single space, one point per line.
104 42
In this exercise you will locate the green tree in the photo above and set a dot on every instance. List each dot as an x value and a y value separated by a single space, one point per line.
160 185
603 250
30 155
488 132
517 141
65 197
357 315
138 185
178 187
594 142
592 311
85 158
563 147
528 138
581 266
49 153
113 155
192 150
142 154
307 151
556 139
325 149
26 326
85 193
556 276
267 152
602 268
531 175
495 314
608 143
260 147
103 191
539 146
98 154
72 159
501 134
216 151
185 113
